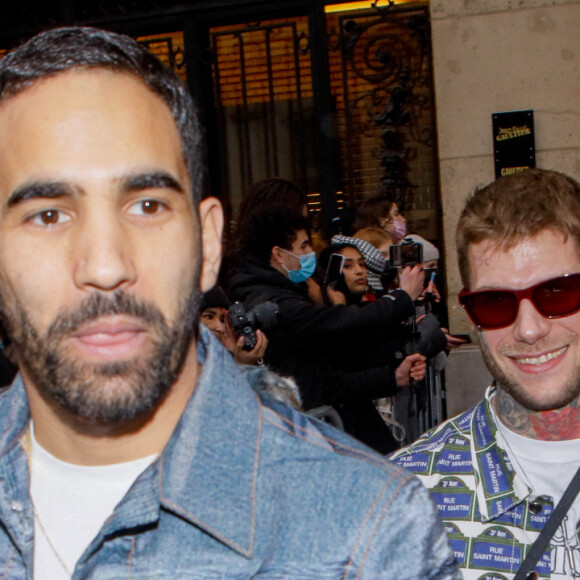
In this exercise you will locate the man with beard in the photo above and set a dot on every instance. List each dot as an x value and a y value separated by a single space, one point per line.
497 471
131 446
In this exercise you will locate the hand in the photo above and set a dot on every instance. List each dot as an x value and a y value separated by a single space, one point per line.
228 339
335 296
314 292
412 281
432 289
412 368
453 341
250 357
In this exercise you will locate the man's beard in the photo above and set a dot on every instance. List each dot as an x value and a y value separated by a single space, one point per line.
109 392
568 392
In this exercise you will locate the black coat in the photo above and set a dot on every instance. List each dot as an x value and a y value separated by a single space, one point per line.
306 335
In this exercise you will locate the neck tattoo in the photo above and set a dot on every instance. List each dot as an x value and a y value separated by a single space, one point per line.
554 425
512 414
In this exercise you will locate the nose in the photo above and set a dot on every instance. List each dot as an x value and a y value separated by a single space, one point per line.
103 255
530 326
218 329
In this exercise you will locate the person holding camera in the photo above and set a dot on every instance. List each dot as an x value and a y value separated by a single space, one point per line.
277 259
412 411
386 350
214 313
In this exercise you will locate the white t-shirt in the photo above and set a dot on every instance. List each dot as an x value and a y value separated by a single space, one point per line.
71 504
548 467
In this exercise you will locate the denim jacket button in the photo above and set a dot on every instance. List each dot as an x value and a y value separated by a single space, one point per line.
16 506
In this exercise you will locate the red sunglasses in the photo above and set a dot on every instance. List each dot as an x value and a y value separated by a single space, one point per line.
552 298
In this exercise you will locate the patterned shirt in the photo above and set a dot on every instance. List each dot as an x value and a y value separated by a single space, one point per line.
490 513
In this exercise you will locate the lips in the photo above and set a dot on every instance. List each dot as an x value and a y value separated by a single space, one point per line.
540 362
544 358
109 340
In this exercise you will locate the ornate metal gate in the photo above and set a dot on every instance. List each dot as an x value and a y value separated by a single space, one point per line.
381 116
385 114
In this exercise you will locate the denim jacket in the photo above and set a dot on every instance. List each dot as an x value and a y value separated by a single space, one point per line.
245 488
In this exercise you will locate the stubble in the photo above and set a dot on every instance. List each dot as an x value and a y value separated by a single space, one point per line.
104 393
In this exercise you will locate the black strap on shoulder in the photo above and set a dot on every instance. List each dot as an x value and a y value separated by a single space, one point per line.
542 541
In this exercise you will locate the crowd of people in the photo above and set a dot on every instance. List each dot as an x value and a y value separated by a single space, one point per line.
351 329
498 470
354 332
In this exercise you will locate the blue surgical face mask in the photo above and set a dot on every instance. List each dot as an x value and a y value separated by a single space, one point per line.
307 267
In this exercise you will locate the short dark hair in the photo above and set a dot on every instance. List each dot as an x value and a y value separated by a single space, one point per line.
270 226
63 49
273 191
515 207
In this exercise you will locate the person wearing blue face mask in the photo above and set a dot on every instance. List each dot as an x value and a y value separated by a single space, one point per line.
307 267
276 261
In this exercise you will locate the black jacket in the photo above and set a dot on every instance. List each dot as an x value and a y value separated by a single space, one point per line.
302 342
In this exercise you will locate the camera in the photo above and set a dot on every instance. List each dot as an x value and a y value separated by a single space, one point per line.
263 316
407 253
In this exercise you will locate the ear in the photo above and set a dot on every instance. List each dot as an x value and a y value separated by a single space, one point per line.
276 255
211 219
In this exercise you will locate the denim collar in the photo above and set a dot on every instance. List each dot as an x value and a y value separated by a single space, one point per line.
210 464
14 415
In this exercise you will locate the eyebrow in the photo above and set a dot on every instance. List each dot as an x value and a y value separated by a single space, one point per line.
153 180
39 189
56 189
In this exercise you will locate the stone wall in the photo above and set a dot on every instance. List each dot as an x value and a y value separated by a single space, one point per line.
493 56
